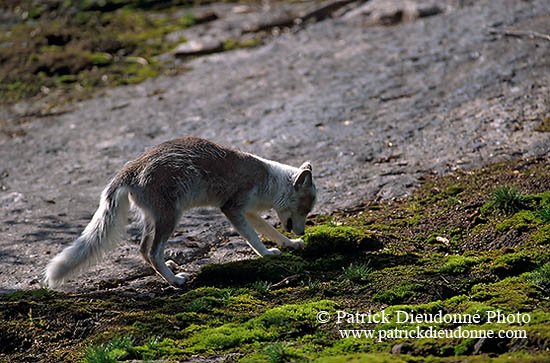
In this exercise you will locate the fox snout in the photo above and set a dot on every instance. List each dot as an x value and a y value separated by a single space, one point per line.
297 227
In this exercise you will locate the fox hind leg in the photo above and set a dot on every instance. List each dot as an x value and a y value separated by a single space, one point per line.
159 218
163 230
156 255
147 239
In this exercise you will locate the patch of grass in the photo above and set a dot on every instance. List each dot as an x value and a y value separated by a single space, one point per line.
113 351
278 352
541 277
544 214
262 287
356 272
507 199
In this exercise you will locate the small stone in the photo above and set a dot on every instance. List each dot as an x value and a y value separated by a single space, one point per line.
202 47
400 348
442 240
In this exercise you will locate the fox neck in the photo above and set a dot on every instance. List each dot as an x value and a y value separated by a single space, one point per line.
279 187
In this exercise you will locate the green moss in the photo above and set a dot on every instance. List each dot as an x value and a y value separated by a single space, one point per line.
26 295
326 239
541 236
512 294
90 45
521 221
454 189
510 264
243 303
465 347
539 200
136 73
397 294
101 59
226 336
232 44
458 264
329 263
269 326
276 352
249 320
475 307
202 304
268 268
388 259
368 357
67 78
157 348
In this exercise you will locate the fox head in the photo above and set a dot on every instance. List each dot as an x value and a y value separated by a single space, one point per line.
300 201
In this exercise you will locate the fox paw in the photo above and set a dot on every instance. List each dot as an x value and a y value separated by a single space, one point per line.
172 265
273 251
296 243
181 279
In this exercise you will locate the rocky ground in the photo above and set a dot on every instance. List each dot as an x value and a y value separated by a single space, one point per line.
376 98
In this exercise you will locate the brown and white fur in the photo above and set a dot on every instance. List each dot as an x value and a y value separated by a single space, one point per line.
185 173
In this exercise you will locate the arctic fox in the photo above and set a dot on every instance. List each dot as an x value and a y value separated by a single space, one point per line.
181 174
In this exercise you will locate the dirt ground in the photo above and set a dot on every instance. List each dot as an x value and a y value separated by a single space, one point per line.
374 107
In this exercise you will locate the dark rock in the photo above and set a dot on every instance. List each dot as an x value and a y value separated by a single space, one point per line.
58 38
401 348
493 345
206 17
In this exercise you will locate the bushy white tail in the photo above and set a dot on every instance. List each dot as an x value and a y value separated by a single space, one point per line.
100 236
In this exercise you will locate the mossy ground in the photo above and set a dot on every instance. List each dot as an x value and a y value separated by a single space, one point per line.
74 47
70 49
449 249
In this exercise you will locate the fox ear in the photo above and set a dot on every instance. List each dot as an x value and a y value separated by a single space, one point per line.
306 166
304 178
